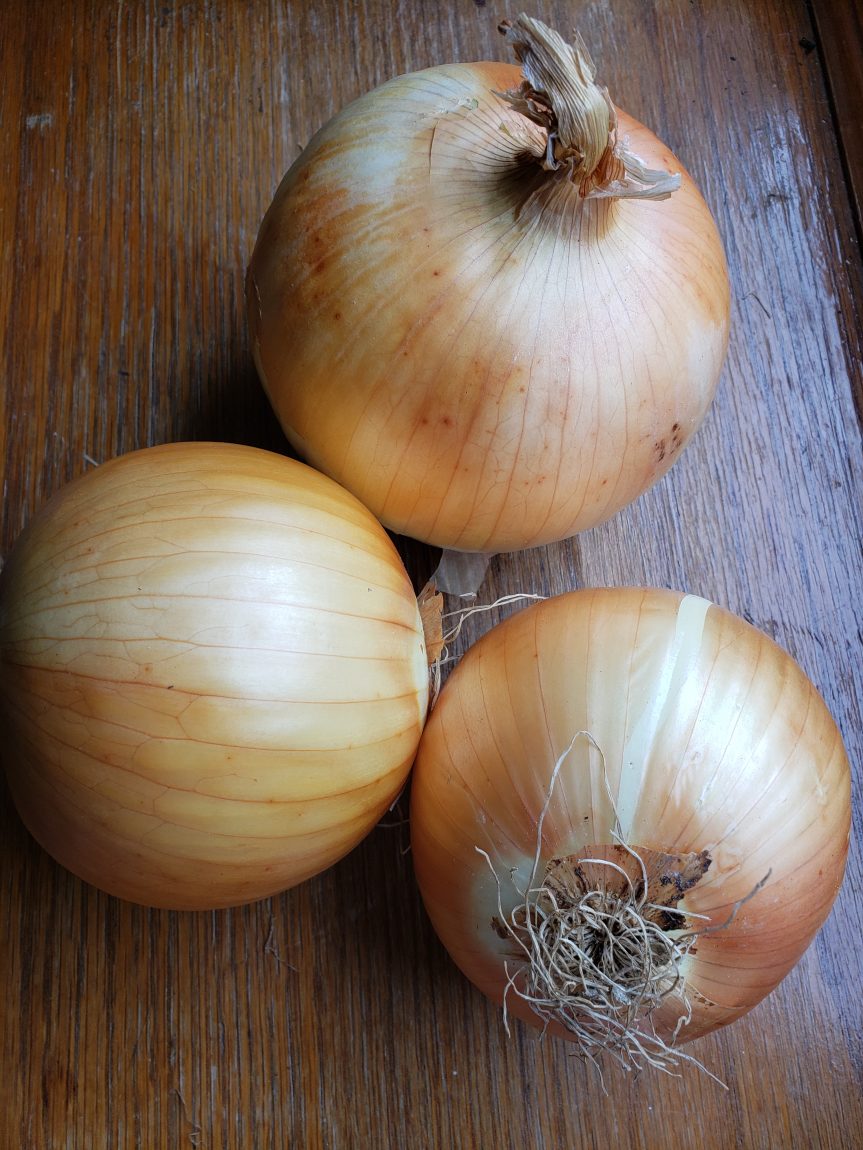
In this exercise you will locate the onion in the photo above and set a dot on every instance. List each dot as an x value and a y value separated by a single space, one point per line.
469 306
630 814
212 674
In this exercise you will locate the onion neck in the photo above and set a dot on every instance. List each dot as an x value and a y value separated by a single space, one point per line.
559 94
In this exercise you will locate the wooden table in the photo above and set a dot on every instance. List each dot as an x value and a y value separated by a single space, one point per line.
140 144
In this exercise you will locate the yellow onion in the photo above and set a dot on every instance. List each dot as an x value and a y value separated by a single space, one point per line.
212 674
488 302
630 814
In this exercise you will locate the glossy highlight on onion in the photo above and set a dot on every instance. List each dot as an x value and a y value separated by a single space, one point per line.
489 302
630 815
212 674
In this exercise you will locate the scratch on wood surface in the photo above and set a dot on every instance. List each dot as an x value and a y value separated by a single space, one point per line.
759 301
271 948
195 1134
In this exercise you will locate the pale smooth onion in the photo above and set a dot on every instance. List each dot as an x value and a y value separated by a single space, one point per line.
212 674
478 301
686 743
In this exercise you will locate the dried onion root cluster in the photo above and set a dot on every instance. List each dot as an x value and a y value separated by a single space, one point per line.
598 959
599 946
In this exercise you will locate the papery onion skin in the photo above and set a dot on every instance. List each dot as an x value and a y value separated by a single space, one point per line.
212 674
712 738
487 360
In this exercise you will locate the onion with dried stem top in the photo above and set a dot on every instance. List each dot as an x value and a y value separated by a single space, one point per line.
630 814
212 674
488 302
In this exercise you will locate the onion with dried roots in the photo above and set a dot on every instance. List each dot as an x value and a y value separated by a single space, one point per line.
212 674
488 302
630 814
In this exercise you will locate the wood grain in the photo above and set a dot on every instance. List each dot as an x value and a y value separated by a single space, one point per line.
840 38
839 28
140 144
